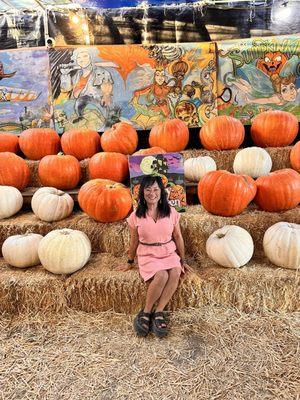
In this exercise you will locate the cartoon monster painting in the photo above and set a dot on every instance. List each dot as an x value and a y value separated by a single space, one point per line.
272 63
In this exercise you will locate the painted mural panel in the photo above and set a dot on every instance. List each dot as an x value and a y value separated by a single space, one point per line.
95 86
24 90
256 75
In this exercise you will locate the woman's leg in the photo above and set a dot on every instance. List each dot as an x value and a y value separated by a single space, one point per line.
169 288
155 289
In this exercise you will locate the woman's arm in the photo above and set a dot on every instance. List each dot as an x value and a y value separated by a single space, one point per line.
133 244
177 236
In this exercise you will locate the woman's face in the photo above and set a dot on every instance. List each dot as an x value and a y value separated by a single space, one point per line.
83 59
152 194
289 92
159 77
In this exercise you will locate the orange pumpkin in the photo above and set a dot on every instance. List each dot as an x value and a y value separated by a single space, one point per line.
222 133
171 135
37 143
80 143
105 200
295 157
112 166
274 128
13 171
120 138
151 150
9 142
278 191
226 194
60 171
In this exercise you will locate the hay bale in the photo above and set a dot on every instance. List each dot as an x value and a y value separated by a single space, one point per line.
98 287
30 290
197 225
107 237
259 286
34 176
224 160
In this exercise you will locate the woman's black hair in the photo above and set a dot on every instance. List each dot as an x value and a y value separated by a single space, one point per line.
163 206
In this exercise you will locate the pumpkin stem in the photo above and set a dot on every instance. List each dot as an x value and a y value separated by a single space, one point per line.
61 153
221 235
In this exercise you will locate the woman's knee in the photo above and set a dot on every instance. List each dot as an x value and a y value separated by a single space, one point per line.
161 277
174 274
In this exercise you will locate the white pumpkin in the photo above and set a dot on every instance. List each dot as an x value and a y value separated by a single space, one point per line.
252 161
282 244
64 251
11 201
195 168
230 246
50 204
22 250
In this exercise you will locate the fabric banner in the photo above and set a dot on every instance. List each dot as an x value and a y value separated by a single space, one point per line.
25 100
169 167
95 86
256 75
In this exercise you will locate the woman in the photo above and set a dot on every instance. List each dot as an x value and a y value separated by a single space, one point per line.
156 238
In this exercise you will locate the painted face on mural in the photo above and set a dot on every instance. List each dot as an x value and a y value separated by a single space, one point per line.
289 92
83 59
160 77
272 63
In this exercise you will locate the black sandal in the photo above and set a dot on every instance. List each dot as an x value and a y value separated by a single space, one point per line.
141 323
159 324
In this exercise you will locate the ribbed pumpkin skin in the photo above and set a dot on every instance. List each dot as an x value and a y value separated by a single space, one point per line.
295 157
171 135
225 194
37 143
60 171
13 171
120 138
11 201
105 200
151 150
274 128
9 142
21 251
80 143
107 165
222 133
278 191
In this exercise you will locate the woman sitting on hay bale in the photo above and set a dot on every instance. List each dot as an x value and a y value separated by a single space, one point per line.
156 238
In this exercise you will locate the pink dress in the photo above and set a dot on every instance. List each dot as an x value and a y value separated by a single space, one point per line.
155 258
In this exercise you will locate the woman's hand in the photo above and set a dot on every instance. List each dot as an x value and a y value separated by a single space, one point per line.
187 268
124 267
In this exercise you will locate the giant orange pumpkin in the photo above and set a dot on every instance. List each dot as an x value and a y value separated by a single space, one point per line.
222 133
60 171
225 194
9 142
151 150
295 157
278 191
105 200
107 165
274 128
171 135
13 171
80 143
37 143
120 138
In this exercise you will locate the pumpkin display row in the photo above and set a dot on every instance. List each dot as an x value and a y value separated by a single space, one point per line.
61 251
65 251
273 128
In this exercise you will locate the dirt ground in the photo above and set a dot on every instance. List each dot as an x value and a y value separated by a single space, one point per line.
211 353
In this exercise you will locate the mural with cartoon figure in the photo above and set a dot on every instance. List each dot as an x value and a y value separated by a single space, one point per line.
259 74
96 86
25 100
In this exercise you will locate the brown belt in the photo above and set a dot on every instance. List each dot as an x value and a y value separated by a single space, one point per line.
155 244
